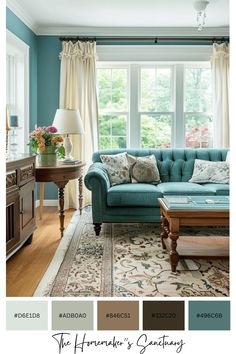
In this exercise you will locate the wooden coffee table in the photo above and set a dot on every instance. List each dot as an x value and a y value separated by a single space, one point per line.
173 216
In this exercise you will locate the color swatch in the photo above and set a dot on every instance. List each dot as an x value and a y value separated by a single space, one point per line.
27 315
118 315
163 315
209 315
72 315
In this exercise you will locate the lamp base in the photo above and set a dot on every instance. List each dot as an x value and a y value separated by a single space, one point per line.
68 148
68 158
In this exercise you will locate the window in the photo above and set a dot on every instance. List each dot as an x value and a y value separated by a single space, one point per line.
113 107
10 83
154 105
198 107
17 91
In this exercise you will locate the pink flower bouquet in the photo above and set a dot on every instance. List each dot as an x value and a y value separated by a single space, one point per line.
42 137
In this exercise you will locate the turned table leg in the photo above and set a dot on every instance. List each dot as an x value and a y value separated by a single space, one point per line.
61 210
80 194
61 186
174 235
164 231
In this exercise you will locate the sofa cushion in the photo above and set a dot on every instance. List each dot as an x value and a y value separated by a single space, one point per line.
183 188
218 188
117 167
138 194
210 172
144 169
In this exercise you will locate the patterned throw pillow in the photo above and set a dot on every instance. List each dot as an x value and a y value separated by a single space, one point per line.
144 169
117 167
210 172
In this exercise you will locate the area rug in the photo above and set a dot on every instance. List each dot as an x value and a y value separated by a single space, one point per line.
127 260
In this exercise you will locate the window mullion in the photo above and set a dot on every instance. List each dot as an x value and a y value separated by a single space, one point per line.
111 88
134 121
179 126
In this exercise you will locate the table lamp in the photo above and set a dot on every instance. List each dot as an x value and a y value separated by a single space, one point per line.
68 121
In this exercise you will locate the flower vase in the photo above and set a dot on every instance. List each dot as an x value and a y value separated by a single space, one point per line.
48 157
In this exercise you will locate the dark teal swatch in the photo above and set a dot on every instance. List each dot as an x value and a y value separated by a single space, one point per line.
209 315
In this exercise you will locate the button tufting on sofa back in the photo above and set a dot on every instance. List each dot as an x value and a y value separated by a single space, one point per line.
175 165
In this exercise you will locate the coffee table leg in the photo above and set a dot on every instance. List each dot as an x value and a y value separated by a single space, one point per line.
174 235
164 233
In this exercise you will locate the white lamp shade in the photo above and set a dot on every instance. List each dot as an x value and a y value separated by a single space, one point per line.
68 121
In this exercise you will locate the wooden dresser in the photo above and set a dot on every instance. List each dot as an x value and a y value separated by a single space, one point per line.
20 202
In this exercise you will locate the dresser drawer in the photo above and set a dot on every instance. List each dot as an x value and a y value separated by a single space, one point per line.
26 174
11 180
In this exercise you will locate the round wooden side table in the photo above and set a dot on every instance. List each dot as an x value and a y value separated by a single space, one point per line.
60 174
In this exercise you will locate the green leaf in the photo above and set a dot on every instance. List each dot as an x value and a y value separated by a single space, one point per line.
61 151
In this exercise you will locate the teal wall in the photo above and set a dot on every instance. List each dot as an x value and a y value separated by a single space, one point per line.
48 89
16 26
48 78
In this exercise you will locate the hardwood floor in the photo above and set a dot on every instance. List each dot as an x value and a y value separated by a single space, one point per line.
26 267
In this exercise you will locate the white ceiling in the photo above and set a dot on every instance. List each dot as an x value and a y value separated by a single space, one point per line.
118 13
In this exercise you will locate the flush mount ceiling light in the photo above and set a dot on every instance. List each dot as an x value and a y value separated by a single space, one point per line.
200 7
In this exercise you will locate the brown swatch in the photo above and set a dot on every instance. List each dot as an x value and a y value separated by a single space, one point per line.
118 315
163 315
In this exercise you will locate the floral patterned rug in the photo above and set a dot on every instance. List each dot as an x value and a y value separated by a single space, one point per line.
128 260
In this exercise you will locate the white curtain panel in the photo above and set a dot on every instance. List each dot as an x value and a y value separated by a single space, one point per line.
220 86
78 91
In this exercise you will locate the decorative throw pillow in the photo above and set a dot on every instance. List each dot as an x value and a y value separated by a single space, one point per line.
117 167
210 172
144 169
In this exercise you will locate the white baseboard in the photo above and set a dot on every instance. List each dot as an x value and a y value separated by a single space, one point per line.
47 202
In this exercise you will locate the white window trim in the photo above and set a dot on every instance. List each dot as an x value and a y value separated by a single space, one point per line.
165 53
134 117
16 45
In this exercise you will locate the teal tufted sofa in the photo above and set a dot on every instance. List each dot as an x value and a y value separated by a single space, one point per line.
138 202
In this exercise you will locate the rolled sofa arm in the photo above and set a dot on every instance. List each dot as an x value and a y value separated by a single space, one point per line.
97 172
97 180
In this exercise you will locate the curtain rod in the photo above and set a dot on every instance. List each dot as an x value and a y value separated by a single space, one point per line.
155 39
